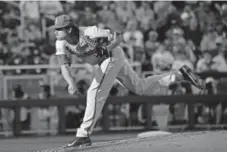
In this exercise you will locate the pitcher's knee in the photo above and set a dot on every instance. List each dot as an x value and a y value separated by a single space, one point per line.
141 88
167 80
91 93
139 91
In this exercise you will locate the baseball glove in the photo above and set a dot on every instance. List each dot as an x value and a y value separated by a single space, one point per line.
97 46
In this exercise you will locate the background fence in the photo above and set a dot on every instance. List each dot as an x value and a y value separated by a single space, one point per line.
149 102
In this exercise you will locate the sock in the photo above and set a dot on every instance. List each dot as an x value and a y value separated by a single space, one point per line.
171 78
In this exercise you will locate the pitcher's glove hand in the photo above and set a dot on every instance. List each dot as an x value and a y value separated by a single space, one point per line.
97 47
101 51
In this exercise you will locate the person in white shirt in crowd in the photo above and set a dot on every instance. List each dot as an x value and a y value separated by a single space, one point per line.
180 60
180 44
162 59
219 61
176 34
208 42
204 64
133 36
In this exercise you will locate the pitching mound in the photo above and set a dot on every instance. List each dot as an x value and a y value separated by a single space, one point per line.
208 141
215 141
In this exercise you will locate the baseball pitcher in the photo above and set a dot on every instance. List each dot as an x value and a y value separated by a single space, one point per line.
100 47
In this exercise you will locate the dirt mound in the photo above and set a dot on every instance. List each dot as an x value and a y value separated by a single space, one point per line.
197 142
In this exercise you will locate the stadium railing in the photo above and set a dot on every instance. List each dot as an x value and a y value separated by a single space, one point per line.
149 101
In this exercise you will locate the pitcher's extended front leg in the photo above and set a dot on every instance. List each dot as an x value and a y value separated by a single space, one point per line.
97 94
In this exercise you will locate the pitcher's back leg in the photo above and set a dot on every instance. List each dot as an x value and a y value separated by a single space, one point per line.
152 85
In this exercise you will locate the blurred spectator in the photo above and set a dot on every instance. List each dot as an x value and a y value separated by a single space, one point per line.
7 121
176 34
31 10
162 59
123 11
37 60
139 54
11 17
89 17
204 64
108 16
188 18
220 59
145 15
208 42
51 7
163 9
33 33
190 25
133 36
151 45
4 54
48 116
181 46
8 115
180 60
17 60
221 29
205 16
189 51
18 92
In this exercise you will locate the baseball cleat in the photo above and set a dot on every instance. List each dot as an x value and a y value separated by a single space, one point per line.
188 75
79 142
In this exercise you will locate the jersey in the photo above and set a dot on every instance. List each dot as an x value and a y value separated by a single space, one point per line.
65 49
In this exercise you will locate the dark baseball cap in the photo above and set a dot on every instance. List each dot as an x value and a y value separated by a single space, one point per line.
62 21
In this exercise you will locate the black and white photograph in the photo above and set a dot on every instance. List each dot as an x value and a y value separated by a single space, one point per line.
113 76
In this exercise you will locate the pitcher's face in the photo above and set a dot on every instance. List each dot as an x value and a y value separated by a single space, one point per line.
61 33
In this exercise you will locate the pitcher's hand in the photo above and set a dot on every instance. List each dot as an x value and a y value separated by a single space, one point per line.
72 90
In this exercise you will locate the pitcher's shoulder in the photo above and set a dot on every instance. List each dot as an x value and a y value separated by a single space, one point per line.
60 43
60 46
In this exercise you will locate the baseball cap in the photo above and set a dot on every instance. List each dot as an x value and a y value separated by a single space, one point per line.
62 21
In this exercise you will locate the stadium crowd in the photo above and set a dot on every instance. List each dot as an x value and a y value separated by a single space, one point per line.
163 35
192 33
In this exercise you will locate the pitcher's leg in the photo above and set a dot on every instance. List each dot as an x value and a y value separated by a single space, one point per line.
99 91
152 85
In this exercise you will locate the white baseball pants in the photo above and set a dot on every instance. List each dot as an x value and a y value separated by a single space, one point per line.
116 67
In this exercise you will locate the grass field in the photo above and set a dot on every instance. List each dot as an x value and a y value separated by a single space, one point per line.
207 141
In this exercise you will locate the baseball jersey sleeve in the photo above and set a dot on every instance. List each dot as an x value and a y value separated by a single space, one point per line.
96 32
62 53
